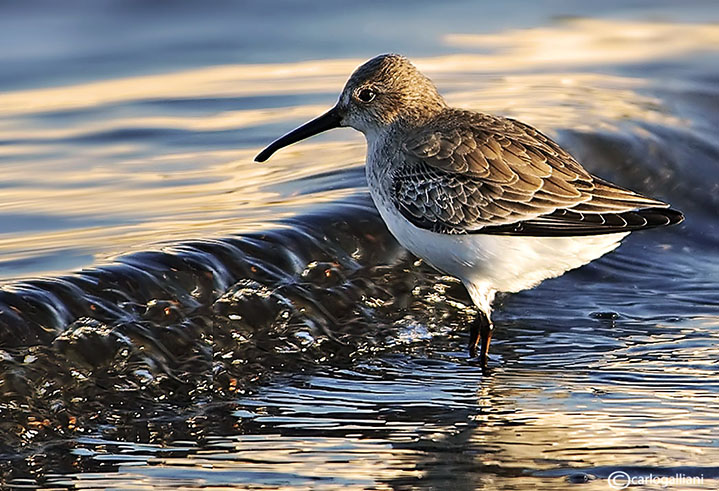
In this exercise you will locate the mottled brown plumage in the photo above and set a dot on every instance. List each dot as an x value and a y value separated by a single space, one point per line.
468 172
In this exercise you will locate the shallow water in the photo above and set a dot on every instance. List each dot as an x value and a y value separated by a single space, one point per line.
173 314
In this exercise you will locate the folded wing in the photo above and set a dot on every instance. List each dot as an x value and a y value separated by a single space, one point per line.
476 173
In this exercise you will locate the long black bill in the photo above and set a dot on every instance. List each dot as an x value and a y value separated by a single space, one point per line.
330 119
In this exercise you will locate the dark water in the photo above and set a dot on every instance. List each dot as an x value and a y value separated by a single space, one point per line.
174 315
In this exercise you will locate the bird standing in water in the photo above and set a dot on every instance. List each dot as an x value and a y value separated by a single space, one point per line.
487 199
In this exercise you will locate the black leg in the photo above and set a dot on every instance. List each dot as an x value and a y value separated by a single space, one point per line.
474 336
485 335
480 333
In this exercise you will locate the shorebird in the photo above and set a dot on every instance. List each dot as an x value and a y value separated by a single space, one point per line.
487 199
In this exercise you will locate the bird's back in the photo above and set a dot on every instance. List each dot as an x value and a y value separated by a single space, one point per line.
466 173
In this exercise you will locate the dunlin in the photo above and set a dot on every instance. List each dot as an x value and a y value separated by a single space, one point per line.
487 199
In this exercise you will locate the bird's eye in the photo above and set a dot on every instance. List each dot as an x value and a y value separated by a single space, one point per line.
366 95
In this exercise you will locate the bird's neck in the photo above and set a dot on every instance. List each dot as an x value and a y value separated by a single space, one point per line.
421 112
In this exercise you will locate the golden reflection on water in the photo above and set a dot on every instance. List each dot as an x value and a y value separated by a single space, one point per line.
574 42
588 42
196 207
128 192
531 425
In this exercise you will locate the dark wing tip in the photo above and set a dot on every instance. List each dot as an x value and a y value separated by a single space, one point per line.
659 217
564 223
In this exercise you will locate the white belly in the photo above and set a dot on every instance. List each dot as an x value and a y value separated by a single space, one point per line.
488 263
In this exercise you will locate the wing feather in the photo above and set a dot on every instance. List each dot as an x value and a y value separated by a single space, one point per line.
476 173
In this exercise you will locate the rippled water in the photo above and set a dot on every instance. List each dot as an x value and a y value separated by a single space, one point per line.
173 314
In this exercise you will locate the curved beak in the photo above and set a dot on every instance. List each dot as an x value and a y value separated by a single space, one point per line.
330 119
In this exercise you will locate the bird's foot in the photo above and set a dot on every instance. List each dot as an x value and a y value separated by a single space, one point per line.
480 336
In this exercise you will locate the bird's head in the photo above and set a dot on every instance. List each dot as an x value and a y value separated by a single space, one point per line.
382 91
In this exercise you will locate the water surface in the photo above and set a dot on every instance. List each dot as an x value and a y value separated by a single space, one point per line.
173 314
